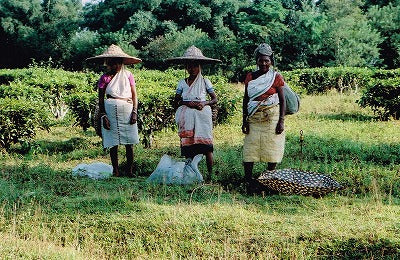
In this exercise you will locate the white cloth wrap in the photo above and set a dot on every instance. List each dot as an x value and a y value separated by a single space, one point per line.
119 86
259 86
121 131
194 123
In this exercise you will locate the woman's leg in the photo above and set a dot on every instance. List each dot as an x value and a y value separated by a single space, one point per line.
129 159
114 160
210 162
248 171
248 177
271 166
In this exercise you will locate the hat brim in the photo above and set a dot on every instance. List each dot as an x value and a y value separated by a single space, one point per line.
186 60
127 60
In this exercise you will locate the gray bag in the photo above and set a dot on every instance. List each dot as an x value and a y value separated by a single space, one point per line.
170 171
292 100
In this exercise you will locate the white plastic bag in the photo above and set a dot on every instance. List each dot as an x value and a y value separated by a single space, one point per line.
95 171
170 171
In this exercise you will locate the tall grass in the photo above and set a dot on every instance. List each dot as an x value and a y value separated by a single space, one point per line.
45 212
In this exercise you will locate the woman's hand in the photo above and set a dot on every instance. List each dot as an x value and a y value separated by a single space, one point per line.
245 127
280 126
106 122
199 105
133 118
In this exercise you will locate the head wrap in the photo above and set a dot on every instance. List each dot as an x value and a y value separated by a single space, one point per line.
263 49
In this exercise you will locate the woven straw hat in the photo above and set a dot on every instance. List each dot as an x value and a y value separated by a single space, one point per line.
192 54
115 51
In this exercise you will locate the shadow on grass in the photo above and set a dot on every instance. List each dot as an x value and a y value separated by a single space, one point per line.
339 150
359 249
60 192
349 117
52 147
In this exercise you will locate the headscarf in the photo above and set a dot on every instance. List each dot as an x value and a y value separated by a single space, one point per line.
263 49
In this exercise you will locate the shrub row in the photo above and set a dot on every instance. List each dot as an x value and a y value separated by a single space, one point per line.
57 91
320 80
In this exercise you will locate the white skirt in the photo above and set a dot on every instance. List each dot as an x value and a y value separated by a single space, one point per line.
262 144
121 131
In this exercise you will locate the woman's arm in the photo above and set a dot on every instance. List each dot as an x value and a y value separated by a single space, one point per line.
282 108
102 92
245 122
106 123
212 101
133 119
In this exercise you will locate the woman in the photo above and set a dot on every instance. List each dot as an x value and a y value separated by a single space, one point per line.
193 115
263 114
119 110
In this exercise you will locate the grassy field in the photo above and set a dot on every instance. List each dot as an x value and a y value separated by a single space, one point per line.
47 213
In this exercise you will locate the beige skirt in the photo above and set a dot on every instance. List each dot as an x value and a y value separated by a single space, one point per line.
262 144
121 131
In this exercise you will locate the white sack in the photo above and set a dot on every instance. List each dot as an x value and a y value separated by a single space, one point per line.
96 171
170 171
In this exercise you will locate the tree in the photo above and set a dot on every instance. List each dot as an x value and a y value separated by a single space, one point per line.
112 15
174 44
36 29
386 20
301 43
348 38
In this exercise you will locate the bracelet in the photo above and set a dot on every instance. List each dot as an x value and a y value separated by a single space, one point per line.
133 111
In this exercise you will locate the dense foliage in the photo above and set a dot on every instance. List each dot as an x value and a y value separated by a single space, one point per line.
383 96
19 120
320 80
302 33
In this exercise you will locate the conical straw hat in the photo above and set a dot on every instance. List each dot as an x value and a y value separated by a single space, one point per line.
192 54
115 51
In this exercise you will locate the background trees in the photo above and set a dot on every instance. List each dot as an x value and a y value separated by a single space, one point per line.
302 33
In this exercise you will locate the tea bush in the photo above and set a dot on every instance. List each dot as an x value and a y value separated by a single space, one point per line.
383 96
19 120
82 105
320 80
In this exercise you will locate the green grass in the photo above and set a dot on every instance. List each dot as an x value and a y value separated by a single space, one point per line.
47 213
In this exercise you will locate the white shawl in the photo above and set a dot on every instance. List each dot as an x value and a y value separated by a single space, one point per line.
259 86
119 86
